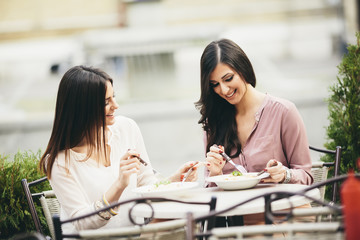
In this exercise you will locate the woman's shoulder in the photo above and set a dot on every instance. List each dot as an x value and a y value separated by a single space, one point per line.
123 119
123 123
278 102
60 159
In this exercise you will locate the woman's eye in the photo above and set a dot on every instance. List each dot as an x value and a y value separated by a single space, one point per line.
106 103
214 84
229 79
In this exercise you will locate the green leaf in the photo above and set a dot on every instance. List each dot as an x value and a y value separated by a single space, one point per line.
344 112
14 211
236 173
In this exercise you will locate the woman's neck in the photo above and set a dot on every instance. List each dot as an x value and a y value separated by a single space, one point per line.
250 102
82 147
85 148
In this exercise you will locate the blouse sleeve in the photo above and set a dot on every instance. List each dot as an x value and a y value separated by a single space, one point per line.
146 175
72 198
207 173
296 147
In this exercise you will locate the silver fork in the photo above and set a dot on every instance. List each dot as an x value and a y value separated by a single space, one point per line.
262 171
239 167
157 174
190 170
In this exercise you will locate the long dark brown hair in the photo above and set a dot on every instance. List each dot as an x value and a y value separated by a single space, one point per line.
79 114
217 115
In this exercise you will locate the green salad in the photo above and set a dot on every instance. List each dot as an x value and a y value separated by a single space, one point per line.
236 173
162 182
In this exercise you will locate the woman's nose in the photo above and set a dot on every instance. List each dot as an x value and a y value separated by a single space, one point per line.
224 89
115 105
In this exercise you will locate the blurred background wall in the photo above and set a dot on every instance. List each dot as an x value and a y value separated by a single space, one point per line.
152 50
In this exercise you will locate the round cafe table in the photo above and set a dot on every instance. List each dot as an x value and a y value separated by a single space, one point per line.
225 199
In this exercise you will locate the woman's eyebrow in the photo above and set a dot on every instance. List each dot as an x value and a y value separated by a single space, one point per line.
225 75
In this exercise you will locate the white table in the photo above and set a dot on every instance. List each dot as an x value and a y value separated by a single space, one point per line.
225 199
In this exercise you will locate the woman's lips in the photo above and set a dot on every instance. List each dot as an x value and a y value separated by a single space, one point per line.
230 95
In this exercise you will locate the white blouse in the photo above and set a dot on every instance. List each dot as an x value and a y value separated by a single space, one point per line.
86 181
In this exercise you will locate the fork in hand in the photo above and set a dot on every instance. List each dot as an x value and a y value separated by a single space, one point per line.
239 167
190 171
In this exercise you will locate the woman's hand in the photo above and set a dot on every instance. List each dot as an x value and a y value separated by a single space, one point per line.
214 161
276 170
180 173
129 164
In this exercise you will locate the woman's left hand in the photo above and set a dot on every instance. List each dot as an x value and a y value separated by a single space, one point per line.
180 173
276 170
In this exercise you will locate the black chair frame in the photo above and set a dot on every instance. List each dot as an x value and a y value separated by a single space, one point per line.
58 223
29 198
335 164
269 214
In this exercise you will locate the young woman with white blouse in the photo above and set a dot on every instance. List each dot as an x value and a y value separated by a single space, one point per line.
91 154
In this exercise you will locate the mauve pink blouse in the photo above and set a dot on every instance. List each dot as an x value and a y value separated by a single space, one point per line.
279 133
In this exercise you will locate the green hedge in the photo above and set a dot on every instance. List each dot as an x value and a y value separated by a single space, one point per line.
344 112
15 215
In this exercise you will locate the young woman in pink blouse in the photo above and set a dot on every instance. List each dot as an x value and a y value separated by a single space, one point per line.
255 129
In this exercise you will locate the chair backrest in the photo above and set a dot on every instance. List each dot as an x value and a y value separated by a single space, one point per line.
319 173
320 169
168 230
172 230
48 201
50 206
267 231
29 236
283 231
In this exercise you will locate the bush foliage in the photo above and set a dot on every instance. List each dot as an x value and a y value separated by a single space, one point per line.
344 111
15 215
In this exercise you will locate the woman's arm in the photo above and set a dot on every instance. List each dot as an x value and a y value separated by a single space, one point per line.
296 147
73 198
147 177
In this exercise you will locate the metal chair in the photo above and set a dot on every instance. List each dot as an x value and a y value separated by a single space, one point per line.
320 170
172 229
29 236
285 227
48 201
240 232
319 173
285 231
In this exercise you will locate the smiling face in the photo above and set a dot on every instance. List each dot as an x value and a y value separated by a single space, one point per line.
110 104
227 83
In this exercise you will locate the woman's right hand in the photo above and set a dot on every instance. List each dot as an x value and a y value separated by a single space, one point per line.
129 164
214 161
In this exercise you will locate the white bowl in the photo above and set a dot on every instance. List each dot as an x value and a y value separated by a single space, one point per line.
171 189
229 182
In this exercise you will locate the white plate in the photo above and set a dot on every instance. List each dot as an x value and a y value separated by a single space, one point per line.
173 189
229 182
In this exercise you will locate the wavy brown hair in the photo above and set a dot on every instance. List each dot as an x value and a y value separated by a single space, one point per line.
217 115
79 115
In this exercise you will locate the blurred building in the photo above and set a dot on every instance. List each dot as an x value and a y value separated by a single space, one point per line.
139 40
48 18
152 50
